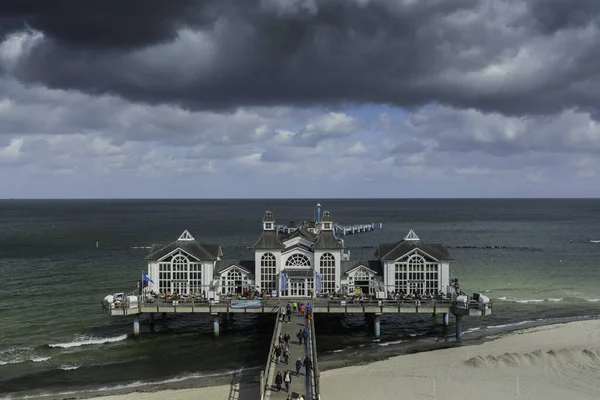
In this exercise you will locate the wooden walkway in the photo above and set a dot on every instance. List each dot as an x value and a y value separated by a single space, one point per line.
299 383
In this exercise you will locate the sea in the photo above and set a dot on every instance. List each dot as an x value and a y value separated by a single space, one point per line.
537 259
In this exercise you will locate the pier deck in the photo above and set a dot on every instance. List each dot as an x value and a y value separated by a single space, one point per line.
300 384
320 305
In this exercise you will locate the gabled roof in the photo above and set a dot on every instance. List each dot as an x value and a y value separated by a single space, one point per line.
327 240
298 246
268 240
394 251
245 265
204 252
349 265
299 232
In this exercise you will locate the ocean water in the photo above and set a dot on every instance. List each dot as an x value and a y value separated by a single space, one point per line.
536 259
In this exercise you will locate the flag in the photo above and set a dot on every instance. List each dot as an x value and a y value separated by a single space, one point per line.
282 282
317 282
146 278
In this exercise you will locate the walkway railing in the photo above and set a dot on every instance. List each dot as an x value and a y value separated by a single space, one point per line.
316 376
266 375
273 304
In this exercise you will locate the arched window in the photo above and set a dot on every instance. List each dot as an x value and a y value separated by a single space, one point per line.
232 282
361 275
179 268
268 272
297 260
327 270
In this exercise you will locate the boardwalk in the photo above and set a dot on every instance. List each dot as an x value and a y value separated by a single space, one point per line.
299 384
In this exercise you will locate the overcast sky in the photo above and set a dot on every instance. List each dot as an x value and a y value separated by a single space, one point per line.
299 98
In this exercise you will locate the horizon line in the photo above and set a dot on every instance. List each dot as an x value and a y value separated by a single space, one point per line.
295 198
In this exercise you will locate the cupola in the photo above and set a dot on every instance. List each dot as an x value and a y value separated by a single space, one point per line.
268 221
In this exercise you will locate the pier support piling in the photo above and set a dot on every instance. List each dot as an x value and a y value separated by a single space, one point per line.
151 321
216 324
136 325
459 328
377 325
445 320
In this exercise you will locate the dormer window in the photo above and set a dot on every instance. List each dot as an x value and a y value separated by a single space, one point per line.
327 225
268 225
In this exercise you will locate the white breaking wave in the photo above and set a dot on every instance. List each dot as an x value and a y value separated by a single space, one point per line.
66 367
530 301
555 299
593 300
471 330
88 341
388 343
19 361
501 298
507 325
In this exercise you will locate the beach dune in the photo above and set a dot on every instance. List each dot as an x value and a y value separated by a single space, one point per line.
551 362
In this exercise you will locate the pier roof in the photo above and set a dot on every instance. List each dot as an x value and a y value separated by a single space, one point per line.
373 265
268 240
327 240
245 265
192 247
394 251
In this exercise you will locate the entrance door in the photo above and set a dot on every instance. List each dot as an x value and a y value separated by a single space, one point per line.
298 288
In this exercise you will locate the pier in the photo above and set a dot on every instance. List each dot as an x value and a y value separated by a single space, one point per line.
307 263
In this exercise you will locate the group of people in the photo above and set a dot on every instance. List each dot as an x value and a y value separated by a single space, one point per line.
283 348
305 311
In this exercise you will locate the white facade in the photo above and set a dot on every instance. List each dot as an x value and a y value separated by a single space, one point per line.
186 267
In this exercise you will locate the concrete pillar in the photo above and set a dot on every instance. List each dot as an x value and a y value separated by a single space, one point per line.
136 325
216 324
151 321
459 328
445 320
376 320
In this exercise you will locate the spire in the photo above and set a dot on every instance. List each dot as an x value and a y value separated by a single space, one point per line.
186 236
412 236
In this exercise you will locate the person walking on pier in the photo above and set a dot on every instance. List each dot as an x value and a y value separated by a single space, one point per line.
277 355
298 366
286 354
299 335
279 381
308 365
295 305
302 309
287 379
286 338
305 336
283 310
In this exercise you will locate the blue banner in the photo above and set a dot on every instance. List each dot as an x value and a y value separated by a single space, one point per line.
283 282
246 303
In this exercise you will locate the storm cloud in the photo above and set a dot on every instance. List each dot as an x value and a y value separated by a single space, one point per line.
432 91
515 57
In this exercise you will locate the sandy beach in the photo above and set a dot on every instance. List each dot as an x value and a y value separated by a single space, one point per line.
551 362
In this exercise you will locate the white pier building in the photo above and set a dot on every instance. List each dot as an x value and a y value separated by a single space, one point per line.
299 262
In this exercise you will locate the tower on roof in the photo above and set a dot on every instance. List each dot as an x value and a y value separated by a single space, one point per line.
186 236
412 236
327 224
318 212
268 221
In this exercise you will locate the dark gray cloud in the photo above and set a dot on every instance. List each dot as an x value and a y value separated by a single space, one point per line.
514 57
